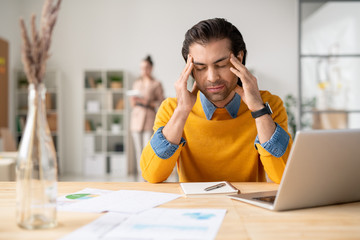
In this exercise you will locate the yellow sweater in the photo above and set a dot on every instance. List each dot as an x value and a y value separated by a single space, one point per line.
218 149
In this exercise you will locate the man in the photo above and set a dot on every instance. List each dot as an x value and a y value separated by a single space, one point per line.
219 130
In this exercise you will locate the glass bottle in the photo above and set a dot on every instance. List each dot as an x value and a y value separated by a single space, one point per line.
36 169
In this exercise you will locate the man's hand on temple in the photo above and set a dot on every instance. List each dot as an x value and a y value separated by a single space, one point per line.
249 92
186 99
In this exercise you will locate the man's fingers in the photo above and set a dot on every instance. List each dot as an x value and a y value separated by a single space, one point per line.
188 64
236 62
183 79
241 71
237 72
194 89
188 69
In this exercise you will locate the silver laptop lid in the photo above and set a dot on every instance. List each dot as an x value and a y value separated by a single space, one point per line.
322 169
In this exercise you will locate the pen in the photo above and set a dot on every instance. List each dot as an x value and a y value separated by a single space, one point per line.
219 185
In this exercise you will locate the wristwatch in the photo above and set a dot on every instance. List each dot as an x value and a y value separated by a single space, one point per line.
263 111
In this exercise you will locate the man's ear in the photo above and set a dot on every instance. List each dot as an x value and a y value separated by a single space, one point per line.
240 56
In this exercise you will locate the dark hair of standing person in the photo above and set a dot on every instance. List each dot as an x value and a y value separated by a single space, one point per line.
149 60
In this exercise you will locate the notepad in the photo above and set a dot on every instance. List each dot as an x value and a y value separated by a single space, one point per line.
198 188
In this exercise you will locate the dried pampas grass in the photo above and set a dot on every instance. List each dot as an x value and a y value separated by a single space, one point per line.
35 50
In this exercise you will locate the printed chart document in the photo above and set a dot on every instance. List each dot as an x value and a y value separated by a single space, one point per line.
87 193
156 223
98 229
198 188
124 201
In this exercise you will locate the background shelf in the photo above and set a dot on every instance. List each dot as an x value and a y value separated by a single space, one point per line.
106 114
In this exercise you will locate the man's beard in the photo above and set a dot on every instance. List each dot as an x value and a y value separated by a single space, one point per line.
218 96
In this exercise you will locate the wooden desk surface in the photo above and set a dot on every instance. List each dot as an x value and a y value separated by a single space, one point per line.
242 221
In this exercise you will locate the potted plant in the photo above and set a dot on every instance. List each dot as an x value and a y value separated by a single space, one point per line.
291 103
116 81
115 126
98 83
23 83
98 128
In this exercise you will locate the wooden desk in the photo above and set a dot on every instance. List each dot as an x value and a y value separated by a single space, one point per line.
242 221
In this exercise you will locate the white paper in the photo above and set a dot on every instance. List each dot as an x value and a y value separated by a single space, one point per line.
199 188
98 228
125 201
156 223
169 223
63 202
133 93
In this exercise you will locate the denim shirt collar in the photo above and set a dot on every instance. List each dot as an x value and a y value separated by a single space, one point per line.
209 108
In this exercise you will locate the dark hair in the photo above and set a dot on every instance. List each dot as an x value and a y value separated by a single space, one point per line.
214 29
149 60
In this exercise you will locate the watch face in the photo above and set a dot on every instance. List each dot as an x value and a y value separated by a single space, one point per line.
263 111
268 108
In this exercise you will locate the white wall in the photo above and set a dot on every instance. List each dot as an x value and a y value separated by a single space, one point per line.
119 33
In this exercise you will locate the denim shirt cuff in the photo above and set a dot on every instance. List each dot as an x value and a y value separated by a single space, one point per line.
278 142
162 147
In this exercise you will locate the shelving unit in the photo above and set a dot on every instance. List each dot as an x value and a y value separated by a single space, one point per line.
53 107
106 114
329 63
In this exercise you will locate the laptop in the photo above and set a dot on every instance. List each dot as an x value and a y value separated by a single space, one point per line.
323 168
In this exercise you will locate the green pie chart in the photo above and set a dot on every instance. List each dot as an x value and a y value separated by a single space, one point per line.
79 196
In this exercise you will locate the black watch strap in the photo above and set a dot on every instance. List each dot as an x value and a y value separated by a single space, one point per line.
263 111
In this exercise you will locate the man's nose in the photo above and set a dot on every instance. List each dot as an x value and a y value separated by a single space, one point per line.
213 75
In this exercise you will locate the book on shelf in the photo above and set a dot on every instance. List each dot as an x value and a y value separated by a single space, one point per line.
120 104
89 125
90 83
52 122
48 101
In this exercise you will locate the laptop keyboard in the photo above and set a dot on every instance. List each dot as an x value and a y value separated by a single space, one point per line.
269 199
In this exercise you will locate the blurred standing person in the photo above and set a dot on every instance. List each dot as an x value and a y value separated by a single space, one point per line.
144 106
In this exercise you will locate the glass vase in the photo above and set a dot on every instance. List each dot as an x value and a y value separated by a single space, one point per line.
36 168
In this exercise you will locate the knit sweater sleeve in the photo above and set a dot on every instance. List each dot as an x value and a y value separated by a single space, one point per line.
275 166
154 168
